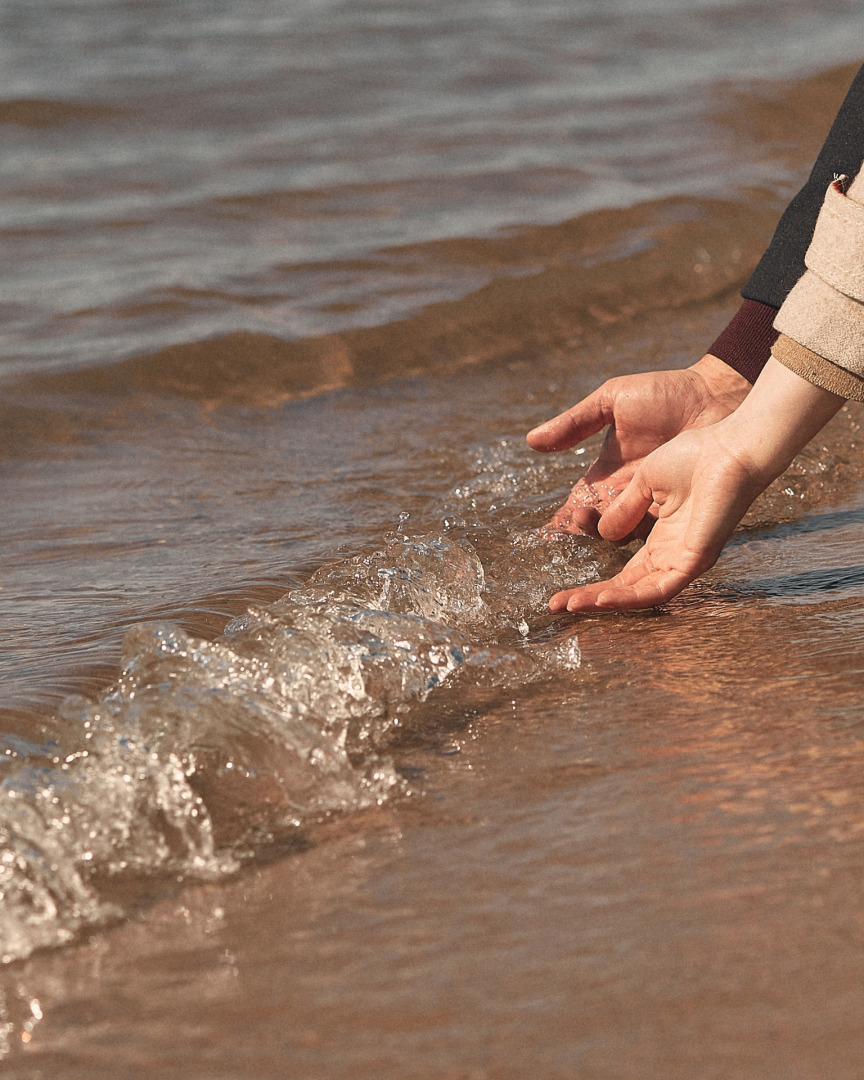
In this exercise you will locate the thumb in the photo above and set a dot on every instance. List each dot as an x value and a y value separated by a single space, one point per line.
626 512
574 425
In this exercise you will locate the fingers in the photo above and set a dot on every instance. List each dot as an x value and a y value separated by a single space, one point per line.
588 501
637 587
573 426
574 519
627 515
581 512
587 520
652 590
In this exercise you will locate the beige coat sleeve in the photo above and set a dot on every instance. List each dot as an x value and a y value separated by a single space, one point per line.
822 320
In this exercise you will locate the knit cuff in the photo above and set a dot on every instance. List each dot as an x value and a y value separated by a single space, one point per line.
817 370
745 344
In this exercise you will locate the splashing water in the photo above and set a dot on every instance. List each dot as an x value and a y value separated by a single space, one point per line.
204 753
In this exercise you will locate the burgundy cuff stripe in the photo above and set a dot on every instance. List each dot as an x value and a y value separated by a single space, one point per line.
745 344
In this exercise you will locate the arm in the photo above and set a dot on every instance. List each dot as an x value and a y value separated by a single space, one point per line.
702 483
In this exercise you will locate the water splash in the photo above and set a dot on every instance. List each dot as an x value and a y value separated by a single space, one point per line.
205 752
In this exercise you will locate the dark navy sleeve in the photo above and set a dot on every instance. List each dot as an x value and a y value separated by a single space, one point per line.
745 344
783 262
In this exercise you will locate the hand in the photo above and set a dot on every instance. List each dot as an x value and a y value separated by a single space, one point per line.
643 412
702 483
701 487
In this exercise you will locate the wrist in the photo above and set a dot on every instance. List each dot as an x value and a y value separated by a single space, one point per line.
776 420
723 383
762 455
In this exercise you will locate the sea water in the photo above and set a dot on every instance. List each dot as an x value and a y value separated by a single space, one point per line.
299 775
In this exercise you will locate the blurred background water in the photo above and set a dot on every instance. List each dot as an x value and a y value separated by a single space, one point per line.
171 171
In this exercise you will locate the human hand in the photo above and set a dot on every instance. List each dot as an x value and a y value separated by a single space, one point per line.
701 487
642 412
702 483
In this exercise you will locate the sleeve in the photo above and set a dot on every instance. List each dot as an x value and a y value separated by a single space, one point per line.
783 262
746 344
817 370
823 315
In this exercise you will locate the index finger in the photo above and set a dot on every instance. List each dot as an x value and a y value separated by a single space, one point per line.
572 426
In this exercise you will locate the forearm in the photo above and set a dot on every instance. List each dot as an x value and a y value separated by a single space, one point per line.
776 420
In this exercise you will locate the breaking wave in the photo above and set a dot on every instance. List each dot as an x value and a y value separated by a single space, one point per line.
204 754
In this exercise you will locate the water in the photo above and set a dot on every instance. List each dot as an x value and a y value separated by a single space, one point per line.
172 174
299 776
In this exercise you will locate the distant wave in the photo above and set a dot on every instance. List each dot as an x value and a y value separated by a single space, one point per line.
550 284
45 112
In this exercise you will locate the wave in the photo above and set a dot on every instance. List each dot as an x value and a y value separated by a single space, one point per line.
208 753
48 112
435 305
549 285
205 754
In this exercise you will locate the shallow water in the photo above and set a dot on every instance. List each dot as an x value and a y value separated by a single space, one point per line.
300 776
